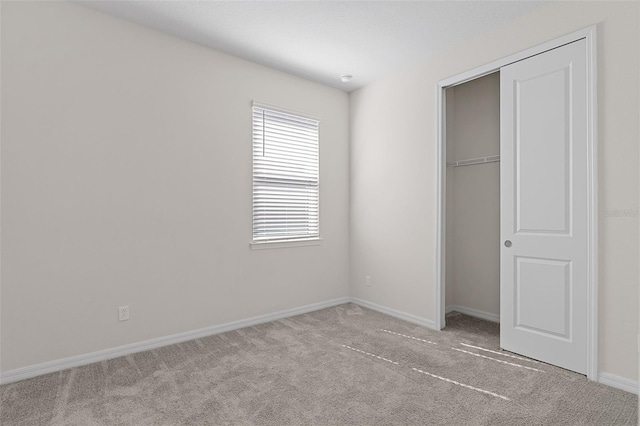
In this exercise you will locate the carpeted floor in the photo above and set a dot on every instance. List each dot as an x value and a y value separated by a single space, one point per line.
339 366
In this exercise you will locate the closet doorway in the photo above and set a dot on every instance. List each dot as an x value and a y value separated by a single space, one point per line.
517 205
473 198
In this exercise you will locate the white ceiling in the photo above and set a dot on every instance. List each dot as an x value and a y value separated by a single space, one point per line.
320 40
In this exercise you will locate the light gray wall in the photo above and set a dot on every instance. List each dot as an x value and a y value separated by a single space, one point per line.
473 196
126 180
393 178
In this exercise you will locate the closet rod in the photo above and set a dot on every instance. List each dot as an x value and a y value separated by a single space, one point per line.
474 161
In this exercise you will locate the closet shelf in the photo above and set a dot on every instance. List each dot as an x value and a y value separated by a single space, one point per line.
474 161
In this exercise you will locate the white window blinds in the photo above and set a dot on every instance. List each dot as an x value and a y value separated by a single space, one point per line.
285 176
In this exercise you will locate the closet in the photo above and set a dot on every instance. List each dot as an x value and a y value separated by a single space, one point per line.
473 198
517 209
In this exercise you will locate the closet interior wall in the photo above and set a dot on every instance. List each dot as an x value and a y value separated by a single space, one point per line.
473 198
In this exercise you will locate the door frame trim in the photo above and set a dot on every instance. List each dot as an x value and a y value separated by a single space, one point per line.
590 35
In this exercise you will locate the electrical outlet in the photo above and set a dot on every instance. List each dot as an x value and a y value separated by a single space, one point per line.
123 313
367 280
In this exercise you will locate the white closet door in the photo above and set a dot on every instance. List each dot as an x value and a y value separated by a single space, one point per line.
543 272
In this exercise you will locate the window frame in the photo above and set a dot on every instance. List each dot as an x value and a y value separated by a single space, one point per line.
285 241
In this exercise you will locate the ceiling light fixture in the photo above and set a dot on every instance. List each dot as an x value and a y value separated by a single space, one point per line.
345 78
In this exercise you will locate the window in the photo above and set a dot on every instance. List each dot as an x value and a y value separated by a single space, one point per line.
285 176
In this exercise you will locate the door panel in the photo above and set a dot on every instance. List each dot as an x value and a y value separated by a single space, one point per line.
543 173
546 211
543 284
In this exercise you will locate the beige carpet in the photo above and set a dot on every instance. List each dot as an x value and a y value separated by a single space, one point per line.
339 366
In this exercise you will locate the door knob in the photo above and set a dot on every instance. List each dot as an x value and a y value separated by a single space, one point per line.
507 243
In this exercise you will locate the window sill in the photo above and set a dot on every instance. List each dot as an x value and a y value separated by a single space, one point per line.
285 243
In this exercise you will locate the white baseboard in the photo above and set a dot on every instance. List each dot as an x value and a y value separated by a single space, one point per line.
618 382
473 313
394 313
18 374
80 360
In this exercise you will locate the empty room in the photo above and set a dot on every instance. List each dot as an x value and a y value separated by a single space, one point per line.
319 212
